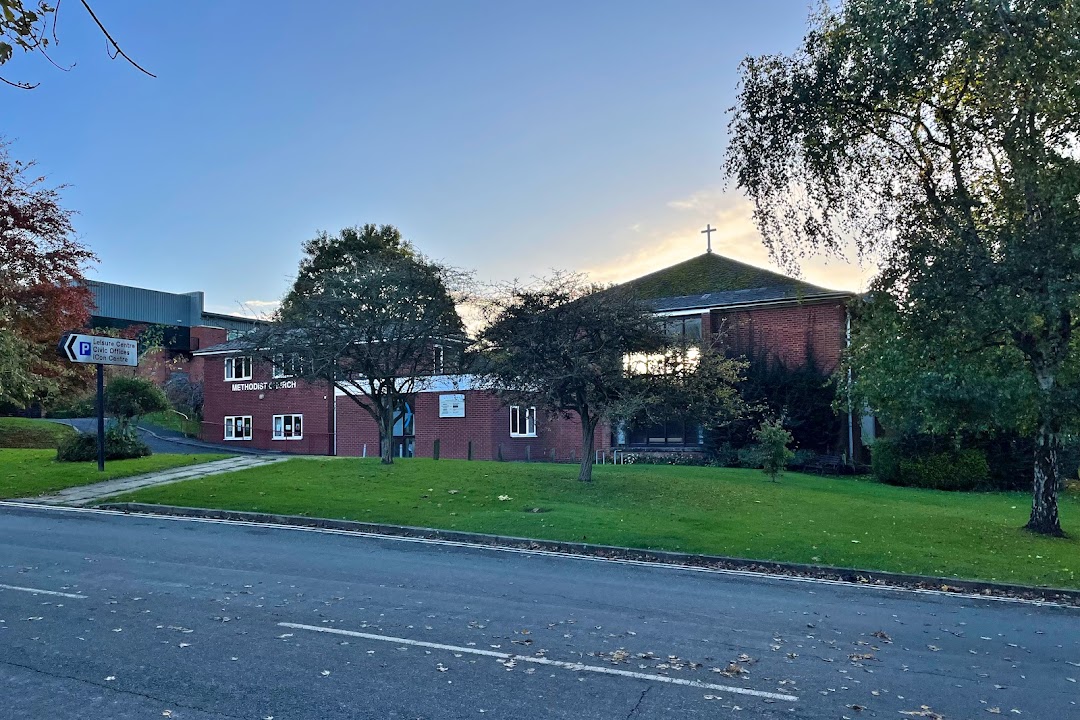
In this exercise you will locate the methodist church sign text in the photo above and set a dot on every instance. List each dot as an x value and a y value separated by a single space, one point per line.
265 385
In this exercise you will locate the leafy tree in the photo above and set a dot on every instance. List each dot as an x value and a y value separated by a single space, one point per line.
563 345
803 395
32 28
129 398
916 385
942 137
42 293
687 381
365 314
773 441
17 383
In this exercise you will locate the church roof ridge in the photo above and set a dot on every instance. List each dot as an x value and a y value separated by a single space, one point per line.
713 273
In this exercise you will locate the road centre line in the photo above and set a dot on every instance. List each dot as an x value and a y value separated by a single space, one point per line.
549 553
37 591
546 661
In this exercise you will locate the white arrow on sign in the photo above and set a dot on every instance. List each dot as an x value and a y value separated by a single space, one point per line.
98 349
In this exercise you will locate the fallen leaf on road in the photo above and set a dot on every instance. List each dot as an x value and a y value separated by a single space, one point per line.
733 669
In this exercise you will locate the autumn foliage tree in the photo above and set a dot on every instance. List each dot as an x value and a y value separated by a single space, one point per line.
42 293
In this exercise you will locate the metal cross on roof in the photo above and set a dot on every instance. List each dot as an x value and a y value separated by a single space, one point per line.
707 232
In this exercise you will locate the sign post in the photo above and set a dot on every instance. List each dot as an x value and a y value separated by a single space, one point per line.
100 351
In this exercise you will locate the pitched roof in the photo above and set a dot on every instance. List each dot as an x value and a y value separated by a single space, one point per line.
711 280
732 298
235 345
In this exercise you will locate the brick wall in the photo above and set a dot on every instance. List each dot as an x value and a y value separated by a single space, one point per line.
203 337
786 333
486 425
262 403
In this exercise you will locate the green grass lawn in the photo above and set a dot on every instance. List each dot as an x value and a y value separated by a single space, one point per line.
804 518
170 420
27 433
26 473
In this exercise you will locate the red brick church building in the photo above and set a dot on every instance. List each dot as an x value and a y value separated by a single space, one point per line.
718 300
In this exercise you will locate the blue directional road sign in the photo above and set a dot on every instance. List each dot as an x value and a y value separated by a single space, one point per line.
99 349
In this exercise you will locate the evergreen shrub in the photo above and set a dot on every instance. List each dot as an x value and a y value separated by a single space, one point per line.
118 446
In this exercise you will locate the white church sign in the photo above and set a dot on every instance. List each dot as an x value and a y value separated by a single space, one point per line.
452 406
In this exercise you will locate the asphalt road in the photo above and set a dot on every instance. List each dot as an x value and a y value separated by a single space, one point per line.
162 441
183 619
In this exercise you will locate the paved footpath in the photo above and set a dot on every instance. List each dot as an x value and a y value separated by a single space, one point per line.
104 615
88 494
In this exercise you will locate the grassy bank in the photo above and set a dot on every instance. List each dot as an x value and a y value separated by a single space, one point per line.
170 420
27 433
26 473
832 521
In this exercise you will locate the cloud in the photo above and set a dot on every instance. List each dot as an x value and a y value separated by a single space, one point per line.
674 234
258 309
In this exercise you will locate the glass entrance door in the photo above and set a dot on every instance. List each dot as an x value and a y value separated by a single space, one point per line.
404 441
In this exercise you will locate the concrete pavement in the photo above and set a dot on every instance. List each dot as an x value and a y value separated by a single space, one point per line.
88 494
186 619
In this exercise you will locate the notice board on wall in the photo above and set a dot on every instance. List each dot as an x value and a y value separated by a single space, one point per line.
452 405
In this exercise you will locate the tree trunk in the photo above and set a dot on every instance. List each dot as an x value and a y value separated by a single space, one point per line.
1044 506
588 452
386 432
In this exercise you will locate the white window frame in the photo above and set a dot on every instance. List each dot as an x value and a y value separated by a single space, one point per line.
530 421
230 367
286 365
439 359
295 417
230 427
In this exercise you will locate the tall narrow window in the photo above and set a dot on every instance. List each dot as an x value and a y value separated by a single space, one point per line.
439 357
522 421
238 427
238 368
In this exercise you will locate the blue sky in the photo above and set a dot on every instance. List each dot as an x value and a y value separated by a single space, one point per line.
505 137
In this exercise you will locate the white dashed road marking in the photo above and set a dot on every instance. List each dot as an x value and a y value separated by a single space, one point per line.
546 661
37 591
